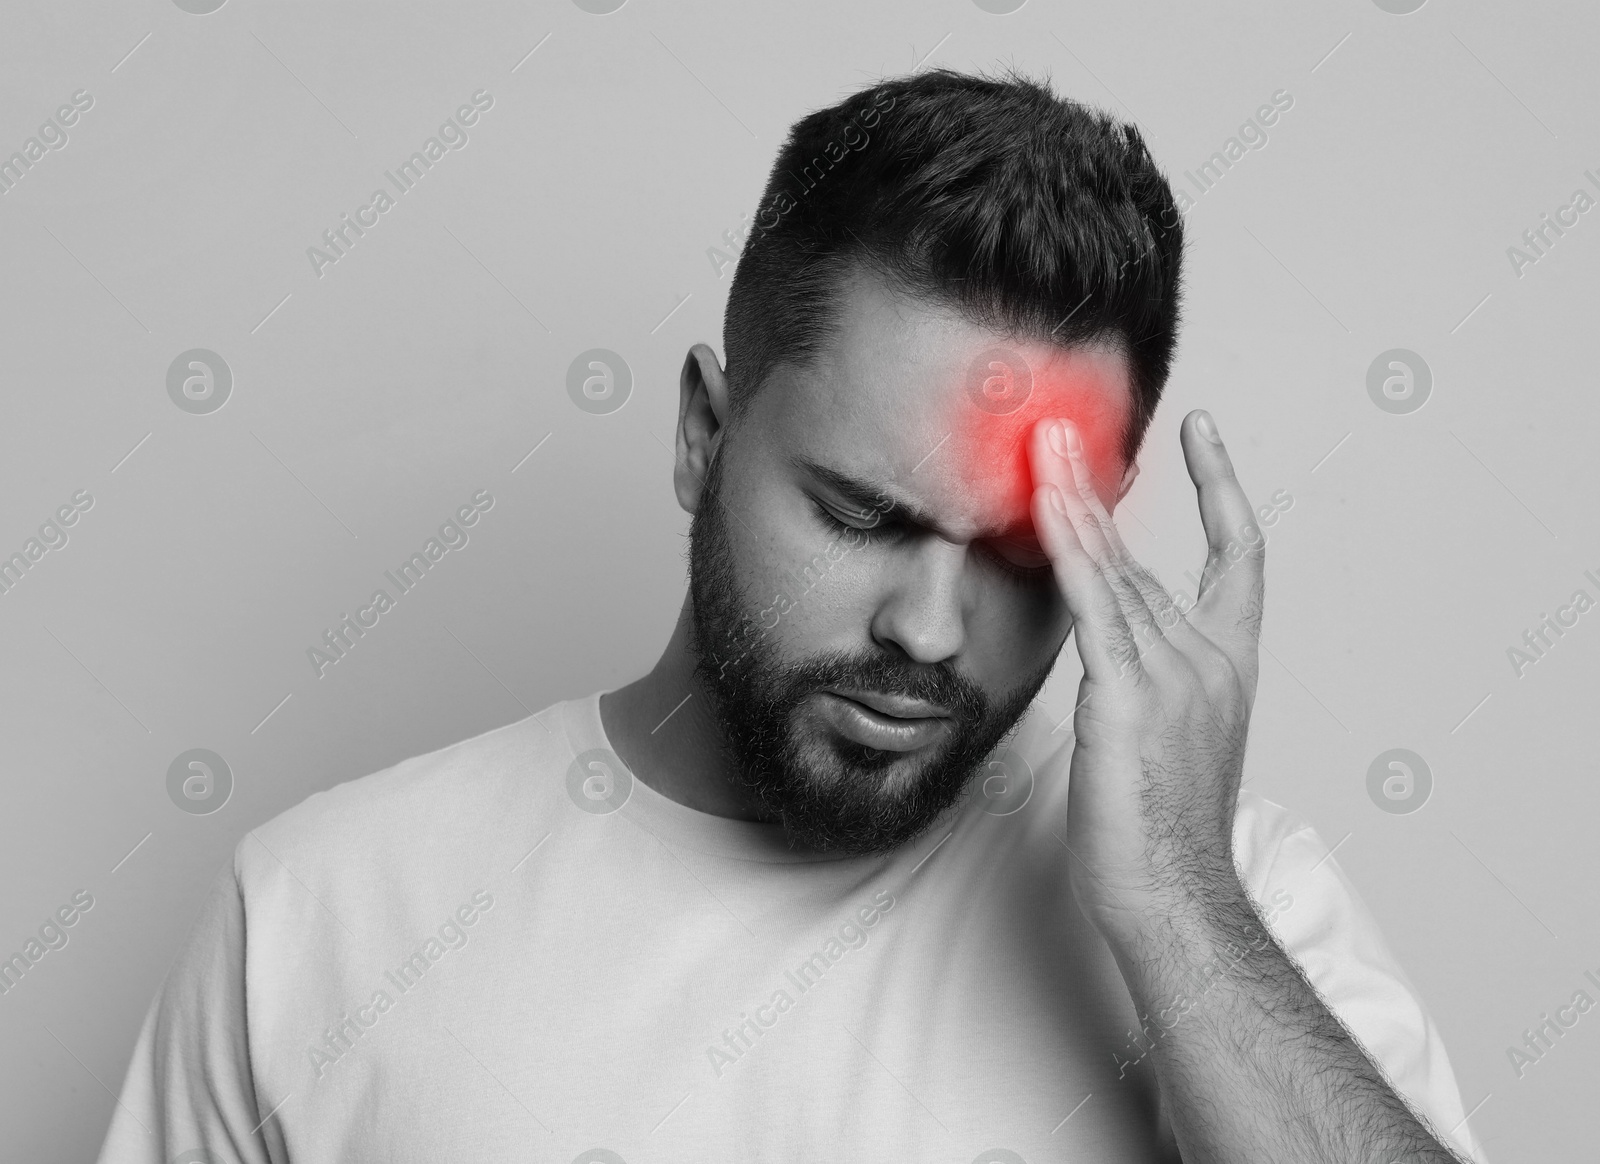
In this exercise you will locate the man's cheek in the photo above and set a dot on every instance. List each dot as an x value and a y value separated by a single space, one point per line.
827 601
1012 630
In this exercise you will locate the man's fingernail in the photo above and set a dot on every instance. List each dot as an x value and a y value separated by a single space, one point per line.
1208 428
1057 501
1058 440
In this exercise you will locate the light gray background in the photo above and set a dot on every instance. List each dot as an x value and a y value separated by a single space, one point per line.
370 402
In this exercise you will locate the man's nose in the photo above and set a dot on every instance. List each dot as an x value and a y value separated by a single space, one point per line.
922 610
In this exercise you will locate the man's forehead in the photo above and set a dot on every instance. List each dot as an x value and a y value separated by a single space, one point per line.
937 409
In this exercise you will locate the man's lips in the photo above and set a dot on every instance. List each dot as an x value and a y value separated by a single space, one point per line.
897 706
891 723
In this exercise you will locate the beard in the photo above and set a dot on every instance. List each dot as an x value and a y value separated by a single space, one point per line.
831 794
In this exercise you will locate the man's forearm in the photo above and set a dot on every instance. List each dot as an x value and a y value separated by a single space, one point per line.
1251 1064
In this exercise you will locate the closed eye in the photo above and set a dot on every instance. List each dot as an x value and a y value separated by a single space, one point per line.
863 522
1024 561
1021 560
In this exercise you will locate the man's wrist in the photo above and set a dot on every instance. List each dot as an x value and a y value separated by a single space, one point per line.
1193 934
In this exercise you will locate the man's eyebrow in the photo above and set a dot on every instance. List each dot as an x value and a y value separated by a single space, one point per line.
874 499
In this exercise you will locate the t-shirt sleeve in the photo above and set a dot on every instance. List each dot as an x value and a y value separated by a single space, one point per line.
1314 911
189 1093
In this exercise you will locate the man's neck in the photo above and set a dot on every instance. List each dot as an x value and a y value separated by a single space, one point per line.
665 730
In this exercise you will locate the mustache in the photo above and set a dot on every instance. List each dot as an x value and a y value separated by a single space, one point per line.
881 672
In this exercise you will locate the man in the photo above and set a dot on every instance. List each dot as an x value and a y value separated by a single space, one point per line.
818 887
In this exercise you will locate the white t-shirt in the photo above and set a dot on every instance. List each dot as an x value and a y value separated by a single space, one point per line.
487 954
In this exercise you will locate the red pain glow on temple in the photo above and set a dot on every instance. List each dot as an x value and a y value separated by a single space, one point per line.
1005 396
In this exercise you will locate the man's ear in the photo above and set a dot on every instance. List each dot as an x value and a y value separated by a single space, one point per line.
1128 478
702 419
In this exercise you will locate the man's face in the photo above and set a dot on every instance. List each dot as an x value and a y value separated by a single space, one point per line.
872 611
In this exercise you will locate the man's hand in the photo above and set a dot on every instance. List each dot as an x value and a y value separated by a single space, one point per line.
1256 1069
1165 702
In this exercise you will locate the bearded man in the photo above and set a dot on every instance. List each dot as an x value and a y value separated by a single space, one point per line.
825 884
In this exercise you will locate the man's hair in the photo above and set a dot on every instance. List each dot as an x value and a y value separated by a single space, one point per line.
1030 214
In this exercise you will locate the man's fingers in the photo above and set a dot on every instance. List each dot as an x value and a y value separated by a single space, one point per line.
1105 643
1160 605
1232 583
1156 621
1105 601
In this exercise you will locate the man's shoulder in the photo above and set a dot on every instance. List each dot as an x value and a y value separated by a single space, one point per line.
415 816
1262 829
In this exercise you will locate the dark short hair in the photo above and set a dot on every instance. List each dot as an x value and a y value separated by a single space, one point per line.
1028 213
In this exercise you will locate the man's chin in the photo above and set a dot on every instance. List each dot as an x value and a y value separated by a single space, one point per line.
838 795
